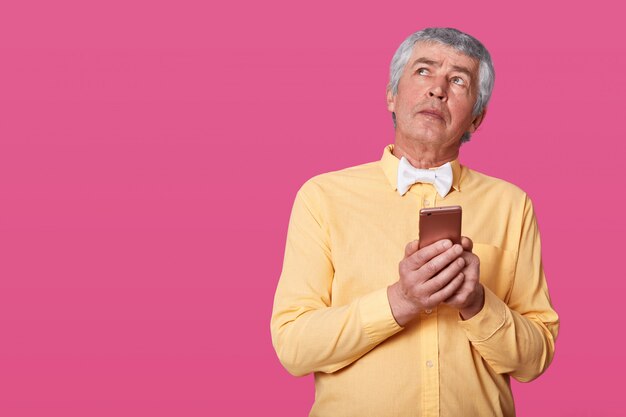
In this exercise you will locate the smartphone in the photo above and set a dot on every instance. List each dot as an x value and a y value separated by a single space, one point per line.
438 223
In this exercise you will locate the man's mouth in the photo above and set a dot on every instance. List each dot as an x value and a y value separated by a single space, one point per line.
432 113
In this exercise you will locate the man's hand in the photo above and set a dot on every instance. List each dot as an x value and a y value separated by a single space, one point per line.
470 297
428 277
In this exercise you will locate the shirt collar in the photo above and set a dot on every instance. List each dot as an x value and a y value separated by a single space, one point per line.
389 163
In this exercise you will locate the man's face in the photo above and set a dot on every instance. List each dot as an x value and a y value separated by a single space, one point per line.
436 95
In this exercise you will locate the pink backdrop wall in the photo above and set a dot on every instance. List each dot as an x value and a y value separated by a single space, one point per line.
150 153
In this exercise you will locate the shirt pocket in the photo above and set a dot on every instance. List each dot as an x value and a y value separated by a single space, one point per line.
497 269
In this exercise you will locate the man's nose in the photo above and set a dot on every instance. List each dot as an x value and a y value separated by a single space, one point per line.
438 90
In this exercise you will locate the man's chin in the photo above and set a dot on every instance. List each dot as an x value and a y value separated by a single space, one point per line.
426 135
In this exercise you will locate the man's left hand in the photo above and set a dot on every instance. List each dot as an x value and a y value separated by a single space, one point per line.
470 297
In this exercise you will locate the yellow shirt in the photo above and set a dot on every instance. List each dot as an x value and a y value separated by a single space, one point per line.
347 234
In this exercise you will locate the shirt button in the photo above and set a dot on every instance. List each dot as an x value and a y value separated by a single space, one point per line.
429 363
428 311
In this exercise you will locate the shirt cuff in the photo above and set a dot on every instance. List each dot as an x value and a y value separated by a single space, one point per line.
376 315
488 320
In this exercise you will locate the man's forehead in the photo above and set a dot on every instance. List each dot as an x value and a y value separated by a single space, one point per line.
439 52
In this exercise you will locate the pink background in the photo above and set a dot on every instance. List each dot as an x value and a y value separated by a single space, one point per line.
150 153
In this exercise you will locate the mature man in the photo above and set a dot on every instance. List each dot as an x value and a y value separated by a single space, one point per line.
393 330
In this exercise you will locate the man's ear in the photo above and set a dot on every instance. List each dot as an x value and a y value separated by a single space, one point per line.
477 120
391 101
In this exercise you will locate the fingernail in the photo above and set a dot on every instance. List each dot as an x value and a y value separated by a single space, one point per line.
461 261
447 244
458 248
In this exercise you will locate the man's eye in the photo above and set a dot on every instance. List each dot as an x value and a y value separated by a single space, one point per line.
458 80
422 71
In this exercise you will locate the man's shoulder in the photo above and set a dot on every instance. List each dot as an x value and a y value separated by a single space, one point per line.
358 177
479 182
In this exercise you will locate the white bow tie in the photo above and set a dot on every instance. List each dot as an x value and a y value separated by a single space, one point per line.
440 177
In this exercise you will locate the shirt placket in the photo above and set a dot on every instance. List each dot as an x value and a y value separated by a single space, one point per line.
430 363
431 338
428 329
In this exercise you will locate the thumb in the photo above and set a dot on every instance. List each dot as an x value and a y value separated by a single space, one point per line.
411 248
467 243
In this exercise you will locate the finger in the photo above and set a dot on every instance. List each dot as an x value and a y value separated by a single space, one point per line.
472 265
467 243
459 294
444 277
449 290
427 253
469 286
434 265
411 248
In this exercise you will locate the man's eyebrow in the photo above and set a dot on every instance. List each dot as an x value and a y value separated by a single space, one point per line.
463 70
426 61
456 68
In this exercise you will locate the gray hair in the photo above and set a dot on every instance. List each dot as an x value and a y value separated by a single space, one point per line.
458 40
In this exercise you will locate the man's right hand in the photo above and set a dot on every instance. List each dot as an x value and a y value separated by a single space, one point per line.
428 276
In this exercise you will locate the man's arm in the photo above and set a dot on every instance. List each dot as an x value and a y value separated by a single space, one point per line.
517 337
308 334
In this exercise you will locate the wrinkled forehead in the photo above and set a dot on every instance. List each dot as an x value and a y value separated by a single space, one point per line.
442 54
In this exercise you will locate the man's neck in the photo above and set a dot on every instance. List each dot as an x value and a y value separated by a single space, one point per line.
423 156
